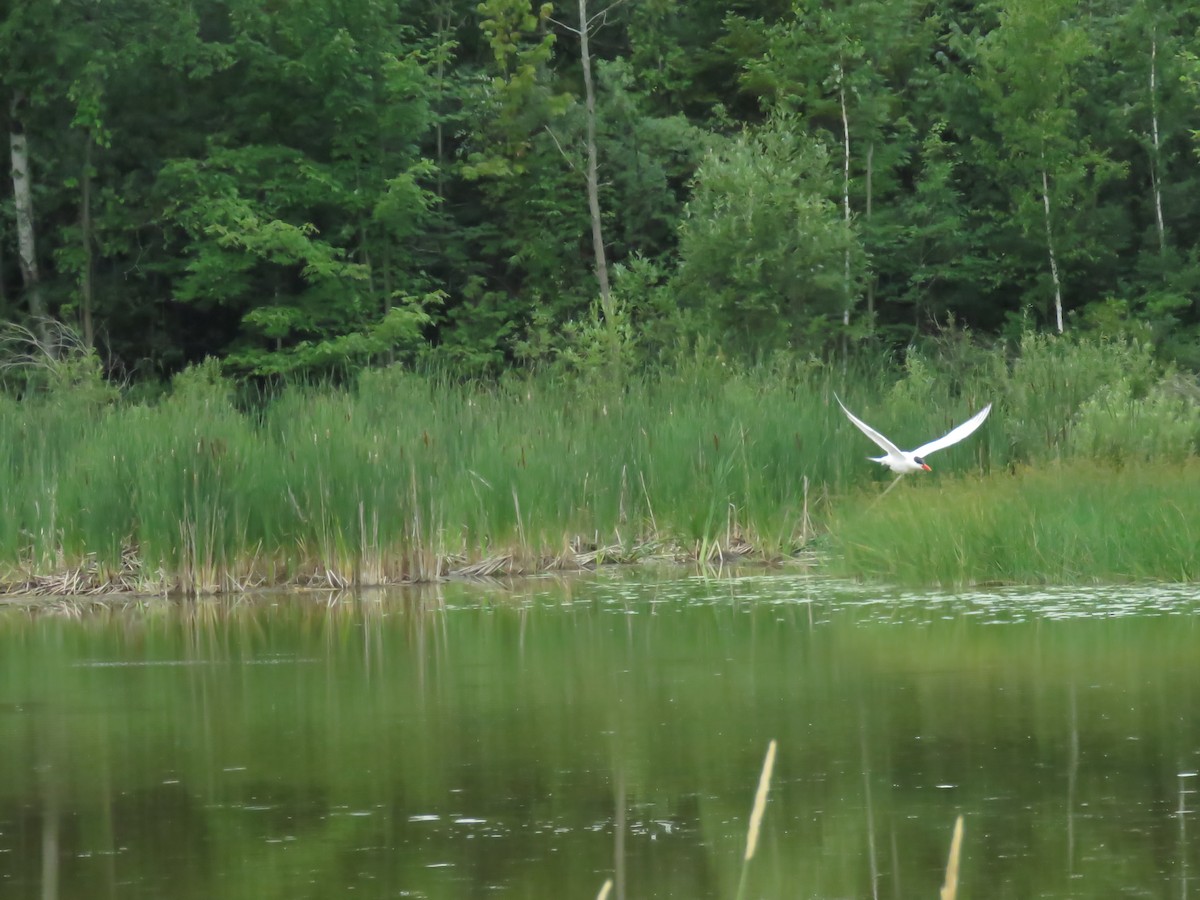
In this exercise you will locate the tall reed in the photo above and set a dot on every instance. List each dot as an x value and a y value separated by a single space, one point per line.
1062 523
402 472
405 475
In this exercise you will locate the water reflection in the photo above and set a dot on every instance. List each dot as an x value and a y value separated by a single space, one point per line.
540 737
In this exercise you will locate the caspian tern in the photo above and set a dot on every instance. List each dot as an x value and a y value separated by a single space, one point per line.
904 461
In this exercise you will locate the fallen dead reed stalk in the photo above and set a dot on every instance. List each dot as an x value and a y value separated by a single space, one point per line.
950 886
205 573
756 816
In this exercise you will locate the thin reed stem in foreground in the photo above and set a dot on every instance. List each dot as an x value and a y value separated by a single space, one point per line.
760 806
950 887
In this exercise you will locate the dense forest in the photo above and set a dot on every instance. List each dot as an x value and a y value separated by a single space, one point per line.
314 185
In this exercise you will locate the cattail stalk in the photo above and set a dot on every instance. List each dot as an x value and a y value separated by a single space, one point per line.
950 888
756 814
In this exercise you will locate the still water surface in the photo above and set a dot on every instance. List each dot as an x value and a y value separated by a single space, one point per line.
532 741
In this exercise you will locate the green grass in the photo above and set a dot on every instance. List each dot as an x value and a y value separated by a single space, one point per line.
405 476
1065 523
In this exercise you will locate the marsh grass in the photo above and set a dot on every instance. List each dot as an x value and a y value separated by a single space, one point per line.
407 477
404 476
1075 522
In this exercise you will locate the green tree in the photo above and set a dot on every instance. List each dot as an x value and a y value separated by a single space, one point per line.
762 245
303 218
516 204
853 71
927 263
1049 169
96 83
1143 118
687 55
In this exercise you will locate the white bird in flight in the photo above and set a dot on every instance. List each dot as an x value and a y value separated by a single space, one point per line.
904 461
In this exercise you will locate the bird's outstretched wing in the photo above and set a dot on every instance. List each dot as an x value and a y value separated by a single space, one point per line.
955 435
887 446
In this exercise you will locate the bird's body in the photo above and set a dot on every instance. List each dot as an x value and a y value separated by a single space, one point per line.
902 462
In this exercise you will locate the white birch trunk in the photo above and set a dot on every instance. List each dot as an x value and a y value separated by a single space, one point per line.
593 180
845 189
85 228
870 189
443 21
1154 163
23 205
1058 307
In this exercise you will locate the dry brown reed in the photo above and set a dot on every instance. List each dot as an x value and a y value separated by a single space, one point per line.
760 801
756 815
950 887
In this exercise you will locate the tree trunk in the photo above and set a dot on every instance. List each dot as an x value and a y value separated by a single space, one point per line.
1154 163
387 292
23 203
593 180
871 279
845 189
443 23
3 292
1058 309
85 228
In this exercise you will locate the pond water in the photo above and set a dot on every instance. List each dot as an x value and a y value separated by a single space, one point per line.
533 740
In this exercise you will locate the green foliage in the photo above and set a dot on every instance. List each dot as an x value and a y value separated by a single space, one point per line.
1116 426
1051 171
306 239
646 160
762 248
601 346
398 334
646 330
266 185
232 208
519 98
1052 379
398 472
1056 398
929 244
642 287
1075 523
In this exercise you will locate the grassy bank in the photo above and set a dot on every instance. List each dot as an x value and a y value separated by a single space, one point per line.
404 476
1068 523
407 477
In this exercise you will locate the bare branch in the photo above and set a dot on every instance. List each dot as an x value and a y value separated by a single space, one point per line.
564 153
563 25
603 14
